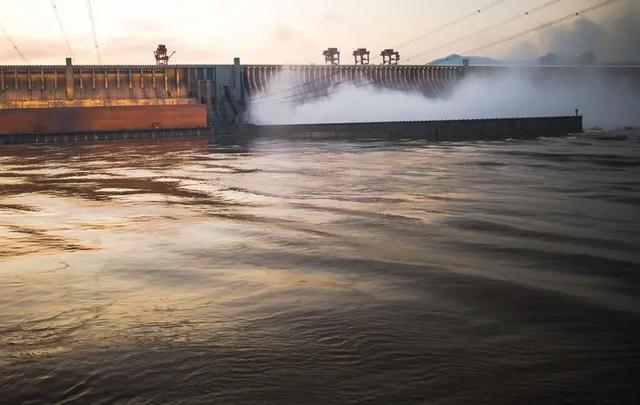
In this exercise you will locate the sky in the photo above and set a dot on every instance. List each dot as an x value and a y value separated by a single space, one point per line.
296 31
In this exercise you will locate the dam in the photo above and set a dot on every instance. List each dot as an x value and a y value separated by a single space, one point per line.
206 96
88 101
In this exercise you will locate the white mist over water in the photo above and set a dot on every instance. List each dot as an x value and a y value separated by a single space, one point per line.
604 101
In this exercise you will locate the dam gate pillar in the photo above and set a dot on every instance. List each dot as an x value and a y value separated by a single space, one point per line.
69 79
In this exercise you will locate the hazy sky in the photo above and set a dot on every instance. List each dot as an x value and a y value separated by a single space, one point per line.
296 31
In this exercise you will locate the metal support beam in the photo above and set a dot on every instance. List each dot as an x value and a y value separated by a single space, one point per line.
209 94
178 82
237 79
166 84
69 79
210 106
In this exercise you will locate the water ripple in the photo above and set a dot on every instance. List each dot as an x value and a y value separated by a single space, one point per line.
184 271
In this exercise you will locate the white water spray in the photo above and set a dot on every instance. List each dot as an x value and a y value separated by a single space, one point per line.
605 101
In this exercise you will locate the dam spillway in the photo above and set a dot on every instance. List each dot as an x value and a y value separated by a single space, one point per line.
70 99
429 80
88 99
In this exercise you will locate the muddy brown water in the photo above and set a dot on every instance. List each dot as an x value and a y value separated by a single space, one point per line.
183 271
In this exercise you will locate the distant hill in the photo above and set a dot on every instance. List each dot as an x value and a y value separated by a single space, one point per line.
549 59
455 59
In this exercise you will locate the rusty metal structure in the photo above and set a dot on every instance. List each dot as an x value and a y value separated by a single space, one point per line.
331 56
390 57
361 56
162 55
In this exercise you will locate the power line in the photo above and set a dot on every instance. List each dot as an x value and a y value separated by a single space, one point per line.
289 89
301 96
269 99
543 26
432 32
64 35
509 38
13 43
452 23
492 27
93 28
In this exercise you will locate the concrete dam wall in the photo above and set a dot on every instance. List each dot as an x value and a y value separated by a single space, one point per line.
168 92
42 86
90 85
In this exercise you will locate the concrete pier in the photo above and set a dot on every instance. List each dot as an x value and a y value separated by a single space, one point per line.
436 131
104 136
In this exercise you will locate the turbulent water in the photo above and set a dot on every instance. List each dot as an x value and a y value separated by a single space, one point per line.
321 272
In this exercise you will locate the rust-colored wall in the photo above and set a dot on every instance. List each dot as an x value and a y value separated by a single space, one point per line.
101 119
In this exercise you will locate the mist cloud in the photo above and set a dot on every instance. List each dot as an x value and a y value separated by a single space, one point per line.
605 101
614 39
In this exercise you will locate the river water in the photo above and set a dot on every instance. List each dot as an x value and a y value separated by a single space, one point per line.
321 271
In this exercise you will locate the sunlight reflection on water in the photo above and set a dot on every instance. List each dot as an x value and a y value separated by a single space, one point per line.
340 272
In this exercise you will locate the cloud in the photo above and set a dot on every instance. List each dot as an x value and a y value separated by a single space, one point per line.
284 33
331 17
